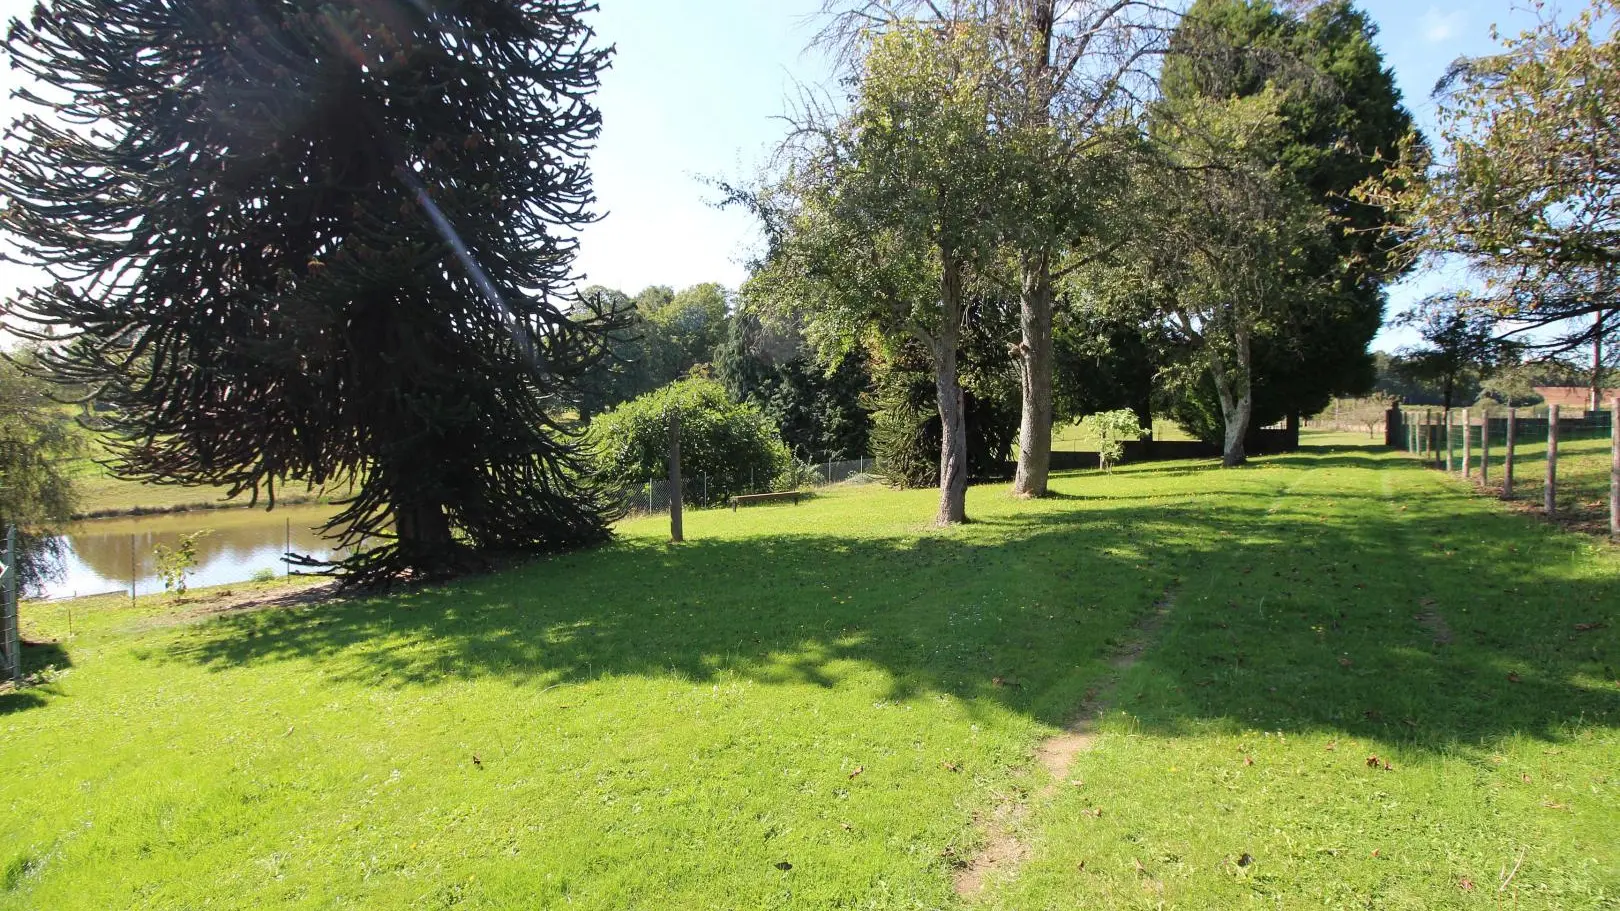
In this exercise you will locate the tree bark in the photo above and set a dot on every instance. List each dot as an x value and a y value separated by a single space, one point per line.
952 418
1237 401
1035 378
422 528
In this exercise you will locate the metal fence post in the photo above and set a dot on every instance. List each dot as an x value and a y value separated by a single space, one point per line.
12 646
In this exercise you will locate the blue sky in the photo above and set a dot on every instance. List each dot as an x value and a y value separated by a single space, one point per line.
697 90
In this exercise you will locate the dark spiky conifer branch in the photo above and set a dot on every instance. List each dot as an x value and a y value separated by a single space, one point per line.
236 200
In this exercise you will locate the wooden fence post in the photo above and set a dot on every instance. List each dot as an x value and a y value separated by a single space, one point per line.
1550 495
1450 447
1507 455
675 476
1614 467
1484 447
1468 444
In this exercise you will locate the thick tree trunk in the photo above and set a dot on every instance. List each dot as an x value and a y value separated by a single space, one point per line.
423 529
1237 402
1035 375
952 417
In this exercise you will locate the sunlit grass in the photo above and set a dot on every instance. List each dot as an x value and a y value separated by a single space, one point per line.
809 706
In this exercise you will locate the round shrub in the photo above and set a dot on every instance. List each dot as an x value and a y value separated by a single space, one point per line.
726 448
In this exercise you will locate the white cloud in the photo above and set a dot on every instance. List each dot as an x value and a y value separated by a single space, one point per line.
1439 27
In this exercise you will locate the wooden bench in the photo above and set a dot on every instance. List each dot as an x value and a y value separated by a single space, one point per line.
747 498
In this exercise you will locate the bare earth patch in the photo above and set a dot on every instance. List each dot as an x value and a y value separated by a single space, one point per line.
1434 623
1003 851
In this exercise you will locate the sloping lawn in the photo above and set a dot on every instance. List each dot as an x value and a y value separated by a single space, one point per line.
818 706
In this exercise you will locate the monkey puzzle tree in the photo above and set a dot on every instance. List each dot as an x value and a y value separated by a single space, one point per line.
322 242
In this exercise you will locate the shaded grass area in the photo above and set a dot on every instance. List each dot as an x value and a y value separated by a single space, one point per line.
807 706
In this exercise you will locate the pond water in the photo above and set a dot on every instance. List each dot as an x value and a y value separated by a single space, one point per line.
108 555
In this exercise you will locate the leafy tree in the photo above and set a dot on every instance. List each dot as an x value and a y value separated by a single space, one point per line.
880 221
1112 429
625 370
1398 381
1225 239
315 243
175 564
817 409
906 425
1524 187
693 324
733 446
1341 123
39 443
1459 341
1057 77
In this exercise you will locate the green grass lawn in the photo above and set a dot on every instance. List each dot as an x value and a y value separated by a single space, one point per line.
1583 478
816 706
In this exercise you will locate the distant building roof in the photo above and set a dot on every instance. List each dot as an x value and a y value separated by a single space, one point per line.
1573 396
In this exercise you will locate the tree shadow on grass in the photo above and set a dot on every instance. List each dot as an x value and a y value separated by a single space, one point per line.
1426 622
37 657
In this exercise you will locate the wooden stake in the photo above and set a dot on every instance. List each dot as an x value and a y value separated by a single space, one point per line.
1450 446
1550 495
1614 467
675 476
1507 457
1468 444
1484 447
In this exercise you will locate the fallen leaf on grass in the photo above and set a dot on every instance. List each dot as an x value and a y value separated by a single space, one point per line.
1525 778
1248 760
477 762
1139 868
1006 681
1466 884
1588 627
1344 662
1093 812
858 770
1555 805
1513 678
951 766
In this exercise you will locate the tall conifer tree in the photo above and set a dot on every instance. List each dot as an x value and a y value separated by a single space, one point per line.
323 241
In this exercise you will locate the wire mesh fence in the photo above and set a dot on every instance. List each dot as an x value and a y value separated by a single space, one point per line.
1566 462
701 490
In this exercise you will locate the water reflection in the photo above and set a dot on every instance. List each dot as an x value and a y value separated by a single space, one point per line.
105 555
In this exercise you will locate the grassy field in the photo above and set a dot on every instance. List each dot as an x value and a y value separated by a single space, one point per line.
834 706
